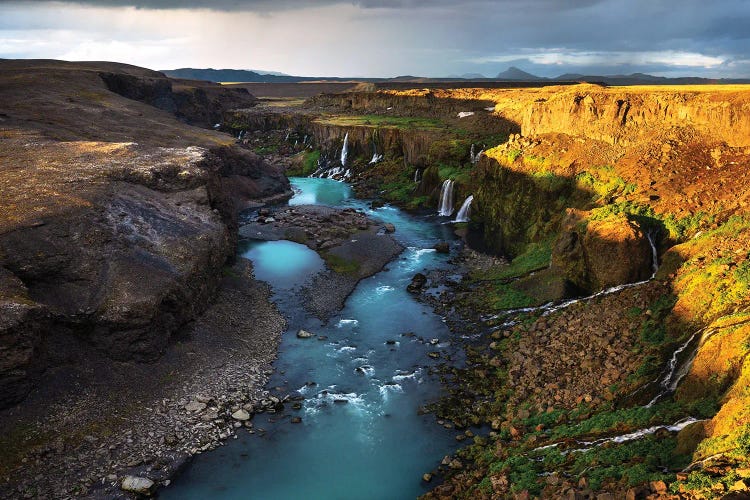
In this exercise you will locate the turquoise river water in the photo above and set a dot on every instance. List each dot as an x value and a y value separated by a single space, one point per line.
360 436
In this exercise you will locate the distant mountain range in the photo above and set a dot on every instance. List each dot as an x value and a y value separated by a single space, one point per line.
511 74
248 75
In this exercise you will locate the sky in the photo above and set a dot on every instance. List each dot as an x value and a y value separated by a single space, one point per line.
372 38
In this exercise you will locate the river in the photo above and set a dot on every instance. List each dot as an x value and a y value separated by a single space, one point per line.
361 436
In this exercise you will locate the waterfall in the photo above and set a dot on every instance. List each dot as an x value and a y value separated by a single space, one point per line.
676 372
623 438
446 199
416 176
375 156
654 254
465 211
474 158
345 149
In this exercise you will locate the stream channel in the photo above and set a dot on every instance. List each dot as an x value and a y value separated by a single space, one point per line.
361 436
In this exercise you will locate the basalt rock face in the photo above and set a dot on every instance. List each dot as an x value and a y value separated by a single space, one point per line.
391 142
424 104
114 236
602 253
197 103
623 117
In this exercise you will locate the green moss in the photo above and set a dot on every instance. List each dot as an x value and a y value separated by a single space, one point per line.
549 181
536 256
604 183
505 296
653 329
339 264
513 155
682 228
307 165
267 149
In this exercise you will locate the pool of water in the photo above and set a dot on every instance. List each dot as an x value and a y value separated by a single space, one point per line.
283 263
361 436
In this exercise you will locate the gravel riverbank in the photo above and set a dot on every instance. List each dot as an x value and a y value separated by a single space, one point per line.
96 421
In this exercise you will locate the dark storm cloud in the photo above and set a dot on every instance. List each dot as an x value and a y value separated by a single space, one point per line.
428 37
276 5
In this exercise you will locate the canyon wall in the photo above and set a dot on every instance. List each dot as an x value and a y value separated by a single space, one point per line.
622 116
117 218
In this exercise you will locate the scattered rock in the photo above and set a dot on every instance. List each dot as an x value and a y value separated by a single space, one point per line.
304 334
442 247
138 485
241 415
195 406
417 282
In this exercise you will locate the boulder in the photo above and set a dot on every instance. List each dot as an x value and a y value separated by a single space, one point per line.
304 334
241 415
442 247
597 254
417 282
138 485
389 228
195 406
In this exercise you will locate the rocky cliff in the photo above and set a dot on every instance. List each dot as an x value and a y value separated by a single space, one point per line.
117 217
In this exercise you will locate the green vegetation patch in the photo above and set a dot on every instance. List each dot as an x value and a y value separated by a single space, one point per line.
375 121
340 265
604 182
305 165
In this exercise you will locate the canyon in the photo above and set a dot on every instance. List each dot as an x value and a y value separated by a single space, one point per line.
603 287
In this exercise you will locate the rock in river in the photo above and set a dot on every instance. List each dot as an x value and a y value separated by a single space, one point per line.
138 485
417 282
304 334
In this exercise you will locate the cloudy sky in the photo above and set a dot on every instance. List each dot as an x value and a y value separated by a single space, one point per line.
390 37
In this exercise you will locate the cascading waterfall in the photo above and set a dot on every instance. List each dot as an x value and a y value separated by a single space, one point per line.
474 158
345 150
375 156
623 438
417 177
446 199
654 253
465 211
676 372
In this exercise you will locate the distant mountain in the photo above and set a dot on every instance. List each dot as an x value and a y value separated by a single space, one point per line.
227 75
514 73
646 79
511 74
274 73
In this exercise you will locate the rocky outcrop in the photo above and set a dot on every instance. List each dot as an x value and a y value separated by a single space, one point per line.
514 208
601 253
621 116
422 104
197 103
107 244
